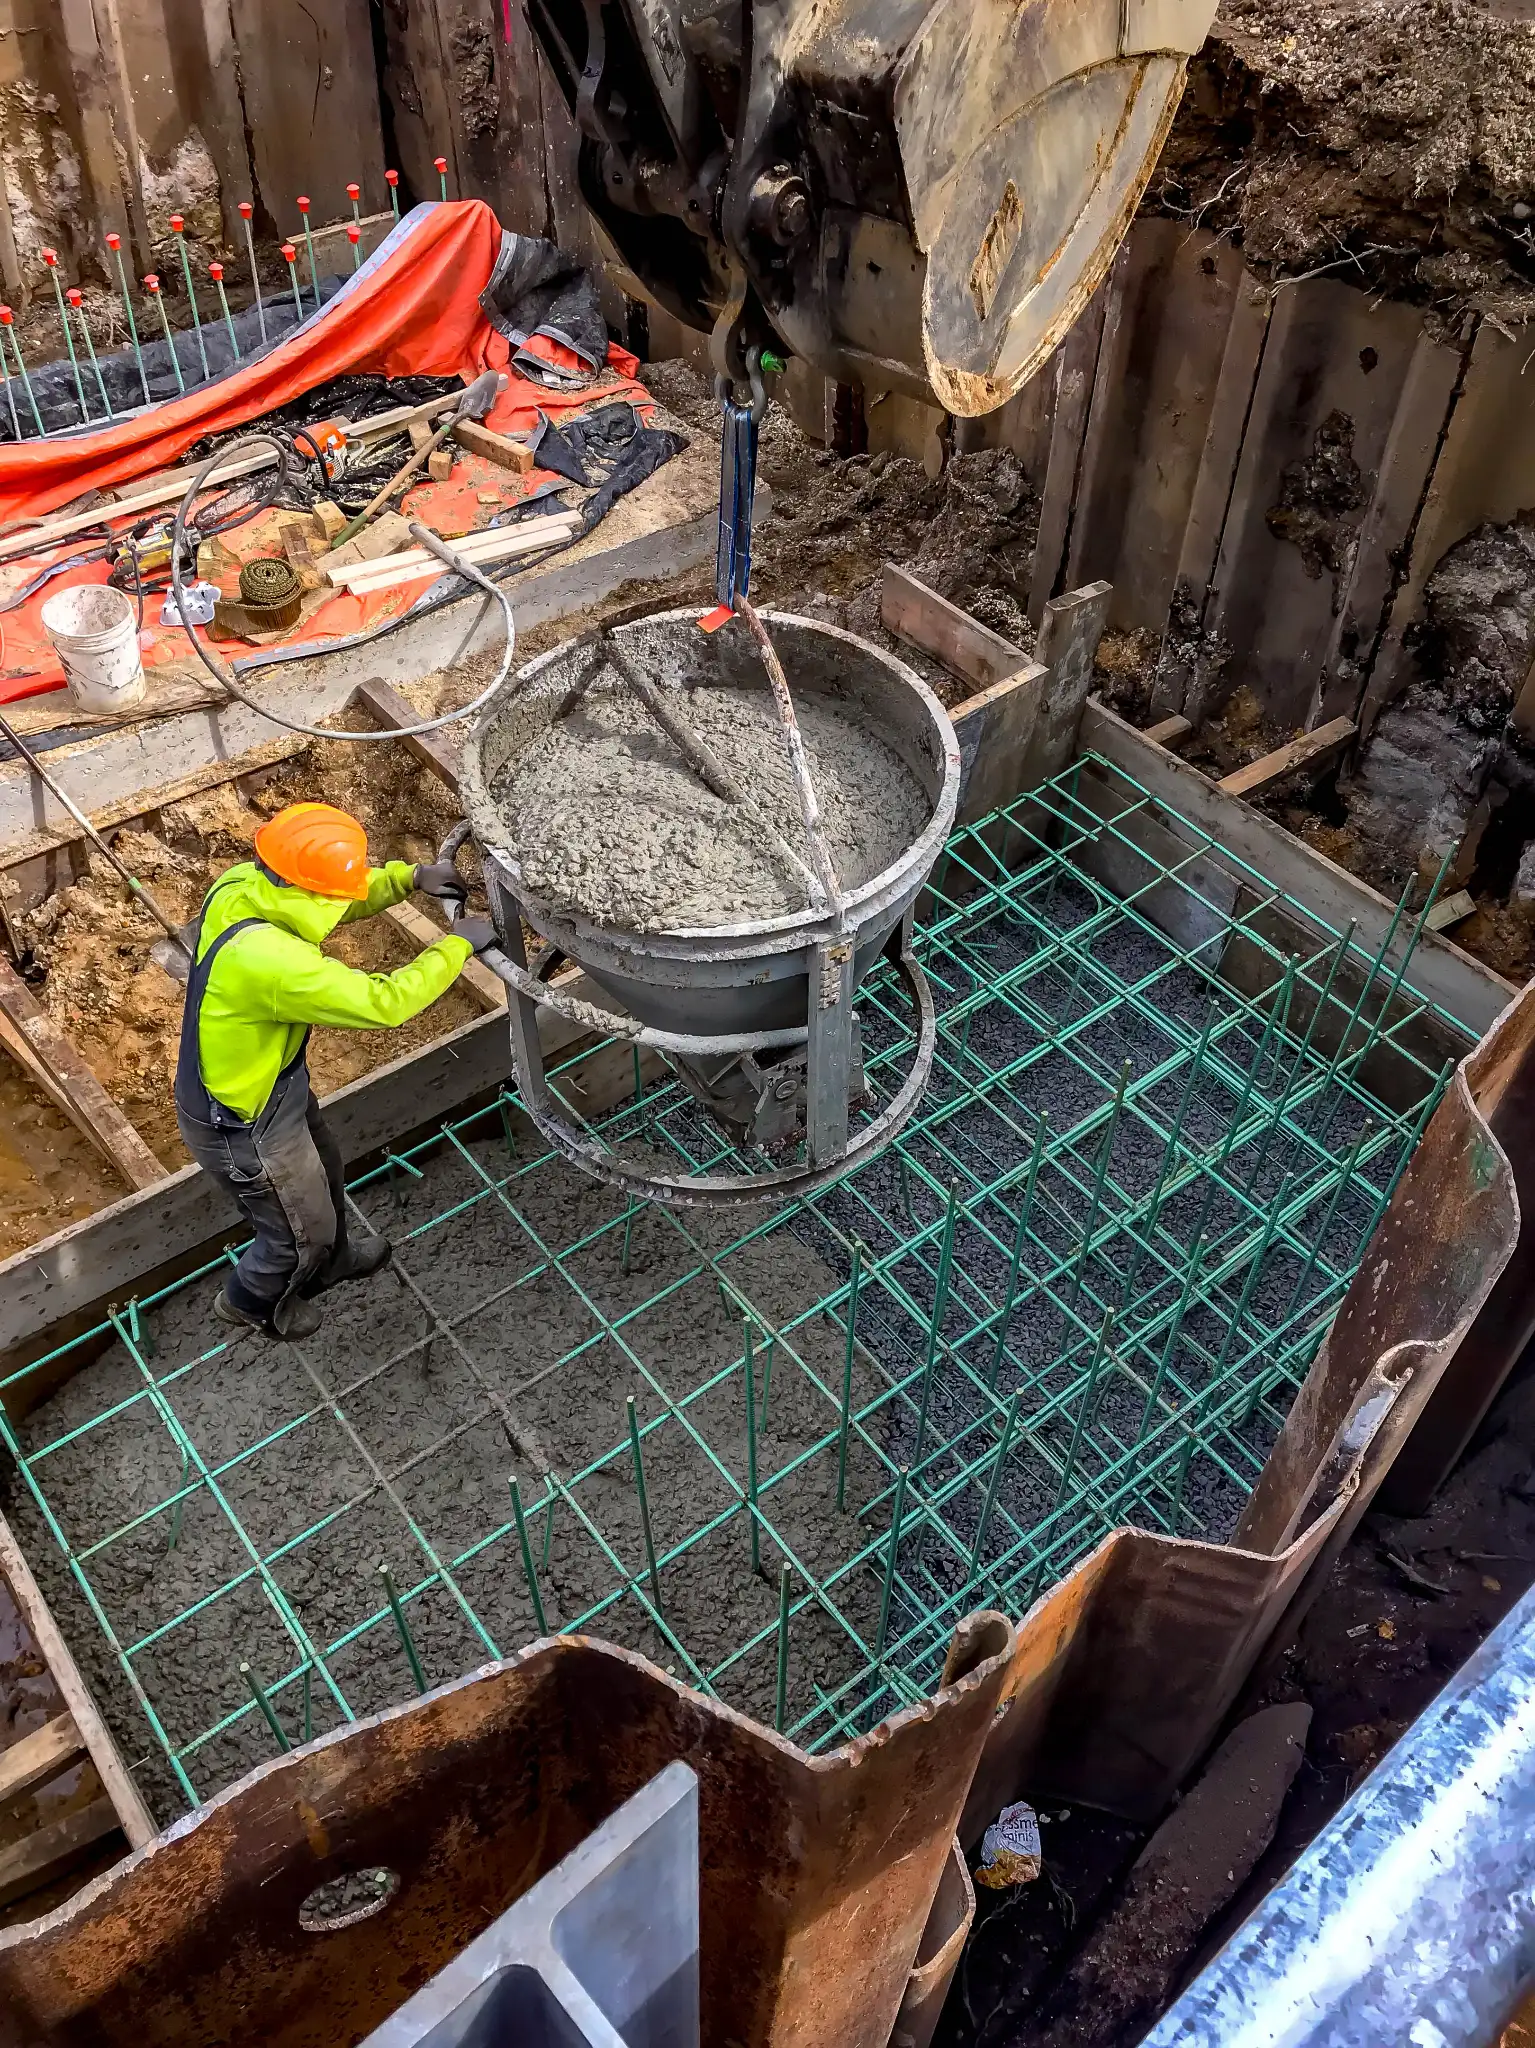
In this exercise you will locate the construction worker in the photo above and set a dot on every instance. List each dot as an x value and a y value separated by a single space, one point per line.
243 1099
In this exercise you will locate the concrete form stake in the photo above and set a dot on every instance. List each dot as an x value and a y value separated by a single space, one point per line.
258 1694
115 244
152 286
246 210
77 307
179 227
7 318
290 257
216 272
403 1626
527 1557
392 180
50 257
314 273
639 1487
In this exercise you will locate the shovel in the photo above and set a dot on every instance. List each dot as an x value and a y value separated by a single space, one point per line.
474 403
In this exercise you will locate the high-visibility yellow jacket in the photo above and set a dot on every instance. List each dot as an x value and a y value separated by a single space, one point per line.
271 982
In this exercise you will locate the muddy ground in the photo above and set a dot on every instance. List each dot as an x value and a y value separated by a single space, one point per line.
1387 142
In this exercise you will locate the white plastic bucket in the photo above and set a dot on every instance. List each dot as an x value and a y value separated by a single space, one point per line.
96 632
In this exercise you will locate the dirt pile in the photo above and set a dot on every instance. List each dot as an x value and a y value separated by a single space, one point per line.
1388 142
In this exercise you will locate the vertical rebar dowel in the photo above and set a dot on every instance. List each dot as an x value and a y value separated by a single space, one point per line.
51 258
1005 1321
1358 1059
392 180
1099 1177
354 193
1320 1005
181 1497
781 1690
10 394
178 227
258 1694
1277 1117
847 1372
506 1125
767 1380
940 1309
246 210
290 257
751 1449
1185 1459
1154 1392
629 1216
1359 1002
152 286
1169 1156
403 1626
216 272
440 165
534 1593
314 268
308 1699
115 244
1084 1408
77 307
895 1542
7 322
554 1494
1216 1167
639 1487
1409 1146
354 236
983 1526
1315 1251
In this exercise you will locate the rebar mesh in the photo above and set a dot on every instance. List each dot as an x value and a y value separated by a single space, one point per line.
781 1451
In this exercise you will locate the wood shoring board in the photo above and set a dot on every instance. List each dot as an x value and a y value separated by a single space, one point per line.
132 1814
39 1757
1309 750
40 1858
89 1104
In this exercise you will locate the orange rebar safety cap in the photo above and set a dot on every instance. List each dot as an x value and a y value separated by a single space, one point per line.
315 846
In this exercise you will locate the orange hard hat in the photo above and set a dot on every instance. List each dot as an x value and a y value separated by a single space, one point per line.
315 846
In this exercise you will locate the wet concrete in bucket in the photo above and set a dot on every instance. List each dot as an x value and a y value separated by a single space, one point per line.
606 818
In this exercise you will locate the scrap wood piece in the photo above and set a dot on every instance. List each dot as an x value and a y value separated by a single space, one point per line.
500 449
37 1859
39 1756
923 619
1169 732
1311 750
488 989
91 1107
1451 910
385 704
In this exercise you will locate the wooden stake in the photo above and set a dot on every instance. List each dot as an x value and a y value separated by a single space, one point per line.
72 1085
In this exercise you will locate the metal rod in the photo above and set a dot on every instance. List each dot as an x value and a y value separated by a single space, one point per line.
10 394
781 1690
258 1694
115 244
314 269
1271 1224
246 210
77 306
178 226
847 1373
1004 1325
290 257
1338 1193
392 180
51 258
983 1526
15 740
528 1572
216 272
751 1449
935 1323
1191 1274
152 286
767 1380
629 1216
7 322
895 1540
1083 1408
440 164
639 1487
1169 1156
403 1626
354 193
1099 1177
1358 1059
809 804
354 236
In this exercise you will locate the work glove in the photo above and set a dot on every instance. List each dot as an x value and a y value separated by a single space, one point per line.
441 879
479 931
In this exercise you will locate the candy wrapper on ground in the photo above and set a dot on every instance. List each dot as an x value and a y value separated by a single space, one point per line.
1010 1849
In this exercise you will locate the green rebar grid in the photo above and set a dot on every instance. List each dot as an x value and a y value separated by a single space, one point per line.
1078 1292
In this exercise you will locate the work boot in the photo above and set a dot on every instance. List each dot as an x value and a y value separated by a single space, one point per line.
358 1259
302 1318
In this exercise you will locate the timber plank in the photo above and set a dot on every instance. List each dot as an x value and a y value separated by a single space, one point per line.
93 1108
1310 750
1169 732
39 1858
39 1756
384 703
923 619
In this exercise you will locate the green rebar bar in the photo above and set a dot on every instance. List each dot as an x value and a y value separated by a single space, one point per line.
1345 1180
847 1373
216 272
77 302
639 1487
314 268
7 319
115 244
246 211
896 1513
1025 1209
403 1627
1270 1225
1083 1406
1169 1155
50 257
750 1371
1357 1060
10 394
781 1689
1100 1175
258 1694
534 1593
152 286
178 227
1175 1331
1185 1459
629 1215
392 180
940 1310
1004 1445
290 257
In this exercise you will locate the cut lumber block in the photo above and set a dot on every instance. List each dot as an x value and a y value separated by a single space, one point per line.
491 544
488 989
97 1115
1311 750
1169 732
26 1866
39 1756
385 704
1451 910
923 619
493 447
